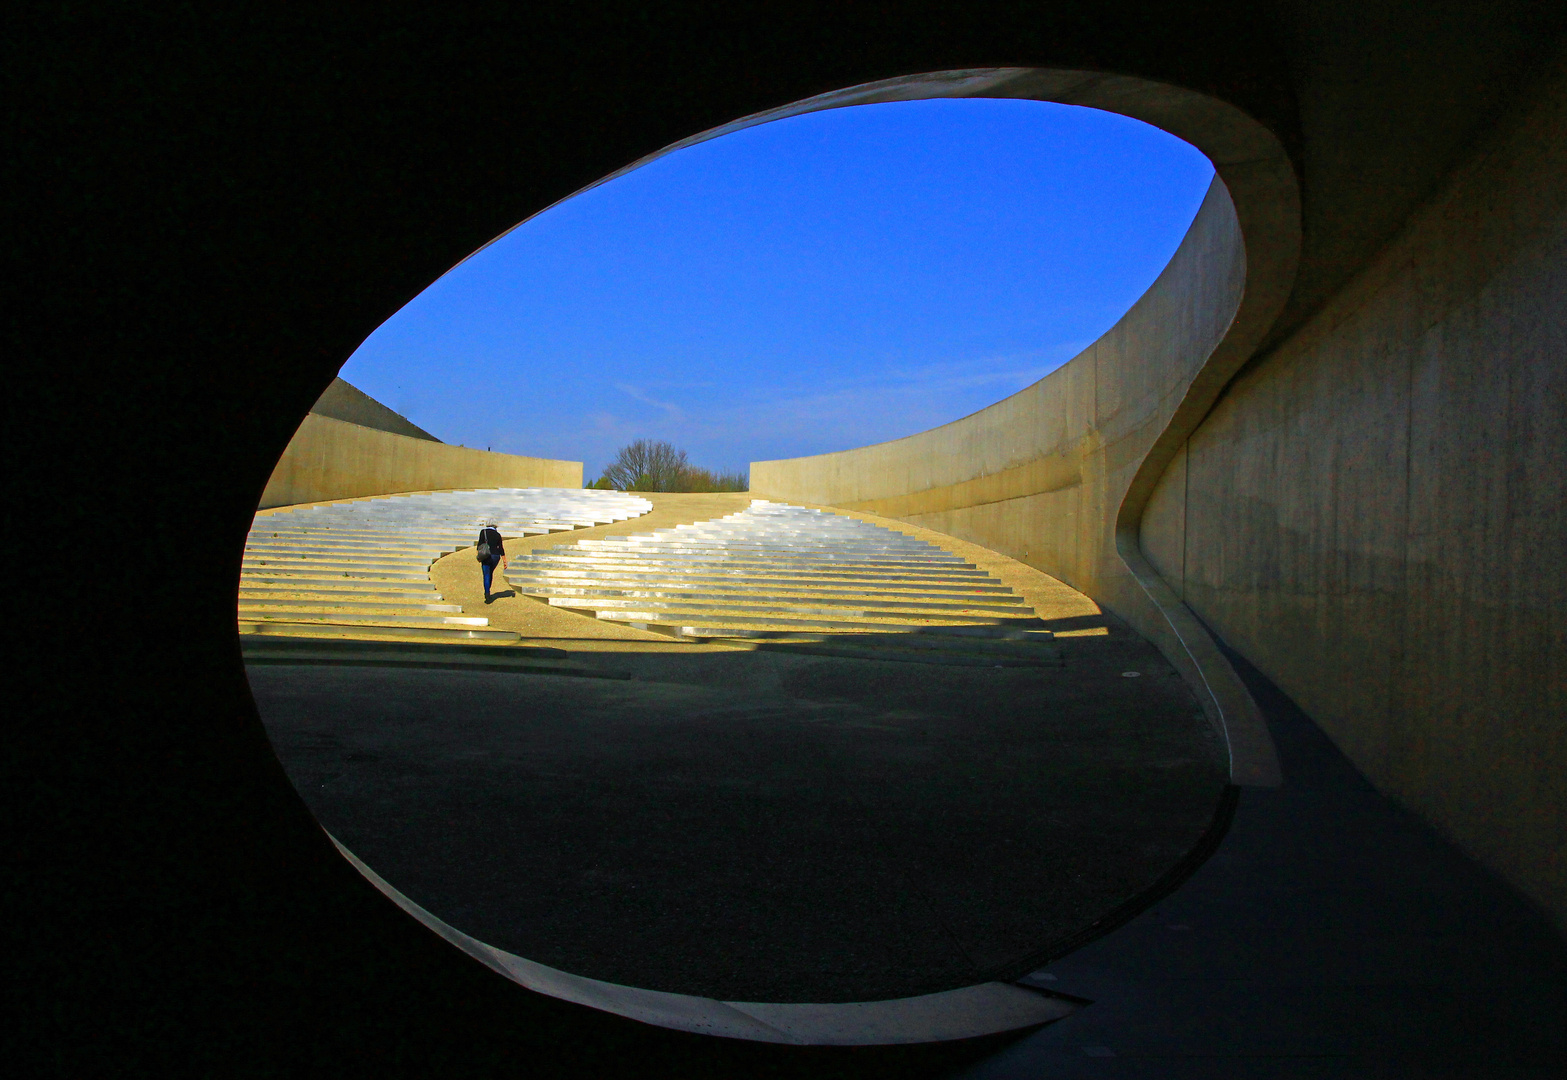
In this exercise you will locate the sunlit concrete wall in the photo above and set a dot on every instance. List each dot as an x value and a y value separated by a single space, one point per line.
1041 475
343 400
333 459
1376 515
1373 513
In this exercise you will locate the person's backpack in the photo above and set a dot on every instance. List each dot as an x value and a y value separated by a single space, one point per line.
483 550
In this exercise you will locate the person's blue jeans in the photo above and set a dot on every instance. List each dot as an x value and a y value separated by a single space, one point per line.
489 575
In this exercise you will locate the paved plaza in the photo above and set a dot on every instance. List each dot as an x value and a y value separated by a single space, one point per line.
774 754
764 824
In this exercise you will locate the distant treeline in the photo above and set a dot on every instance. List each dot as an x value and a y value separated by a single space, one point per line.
646 465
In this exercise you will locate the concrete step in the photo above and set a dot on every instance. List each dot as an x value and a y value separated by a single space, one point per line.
847 646
316 566
706 629
712 602
769 540
608 578
364 548
297 558
409 594
865 618
1027 642
714 562
282 627
333 604
683 552
263 615
769 570
721 624
325 574
465 655
418 571
678 589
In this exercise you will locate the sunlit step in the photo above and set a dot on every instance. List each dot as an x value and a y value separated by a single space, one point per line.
409 594
849 584
341 562
774 550
671 560
323 574
771 537
375 631
381 606
629 571
711 601
350 619
390 548
696 625
681 588
658 610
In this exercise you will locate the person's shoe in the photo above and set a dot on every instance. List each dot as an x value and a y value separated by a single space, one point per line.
487 599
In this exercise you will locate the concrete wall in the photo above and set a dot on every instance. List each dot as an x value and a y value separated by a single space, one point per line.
1046 475
1040 475
1376 515
333 459
343 400
1373 513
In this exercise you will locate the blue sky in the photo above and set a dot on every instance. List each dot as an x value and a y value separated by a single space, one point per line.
809 285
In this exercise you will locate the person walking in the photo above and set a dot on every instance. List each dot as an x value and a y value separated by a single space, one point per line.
491 550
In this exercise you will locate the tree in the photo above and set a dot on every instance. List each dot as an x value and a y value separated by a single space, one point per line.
646 465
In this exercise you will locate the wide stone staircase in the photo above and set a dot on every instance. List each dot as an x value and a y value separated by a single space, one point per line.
360 569
775 571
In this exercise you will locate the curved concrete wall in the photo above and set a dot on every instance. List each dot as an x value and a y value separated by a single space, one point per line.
1046 475
1040 475
333 459
1373 514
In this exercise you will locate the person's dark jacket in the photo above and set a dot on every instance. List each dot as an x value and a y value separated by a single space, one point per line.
497 545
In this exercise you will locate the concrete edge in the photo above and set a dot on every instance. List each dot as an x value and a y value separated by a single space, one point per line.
1254 760
372 631
965 1013
266 511
329 458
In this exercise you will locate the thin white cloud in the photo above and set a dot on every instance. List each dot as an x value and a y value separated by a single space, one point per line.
675 411
856 407
858 410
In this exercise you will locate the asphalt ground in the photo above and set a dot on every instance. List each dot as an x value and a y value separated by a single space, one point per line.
761 826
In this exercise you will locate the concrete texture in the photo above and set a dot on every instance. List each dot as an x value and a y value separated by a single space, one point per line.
344 401
1374 514
1333 934
331 459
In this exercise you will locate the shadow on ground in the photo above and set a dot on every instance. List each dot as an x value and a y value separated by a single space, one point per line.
1333 934
762 825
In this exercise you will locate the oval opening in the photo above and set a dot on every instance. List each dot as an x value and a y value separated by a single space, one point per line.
790 757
